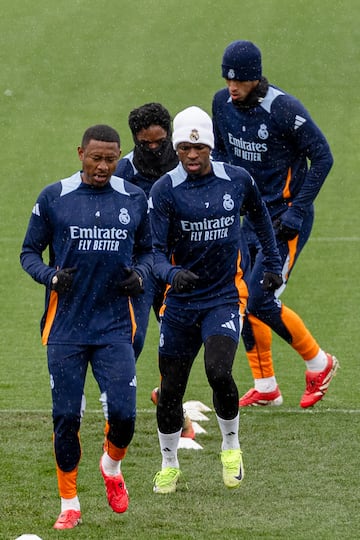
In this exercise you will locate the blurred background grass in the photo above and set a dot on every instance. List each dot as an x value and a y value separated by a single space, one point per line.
67 65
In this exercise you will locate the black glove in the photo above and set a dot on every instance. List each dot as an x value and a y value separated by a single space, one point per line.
62 280
132 285
271 281
283 232
184 281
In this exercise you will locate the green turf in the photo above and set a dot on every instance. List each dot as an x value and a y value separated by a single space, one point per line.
66 65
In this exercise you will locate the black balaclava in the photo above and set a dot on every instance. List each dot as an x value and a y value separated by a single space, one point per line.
154 163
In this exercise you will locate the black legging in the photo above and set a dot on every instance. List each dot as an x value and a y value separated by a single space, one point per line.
219 358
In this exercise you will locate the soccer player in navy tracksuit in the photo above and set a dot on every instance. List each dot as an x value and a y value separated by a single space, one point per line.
195 214
270 133
152 156
95 225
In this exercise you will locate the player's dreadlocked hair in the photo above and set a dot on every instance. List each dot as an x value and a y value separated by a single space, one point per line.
147 115
100 132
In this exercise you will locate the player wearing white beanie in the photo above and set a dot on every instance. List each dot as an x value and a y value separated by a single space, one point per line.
195 214
193 125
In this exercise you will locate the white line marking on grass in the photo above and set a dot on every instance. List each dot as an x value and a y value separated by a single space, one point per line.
48 411
249 410
335 239
303 411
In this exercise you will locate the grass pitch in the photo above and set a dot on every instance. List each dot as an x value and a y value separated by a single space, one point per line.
68 65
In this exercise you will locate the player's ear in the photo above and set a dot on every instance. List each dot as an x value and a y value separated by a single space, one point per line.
80 153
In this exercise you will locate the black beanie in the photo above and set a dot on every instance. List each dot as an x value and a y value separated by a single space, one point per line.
241 61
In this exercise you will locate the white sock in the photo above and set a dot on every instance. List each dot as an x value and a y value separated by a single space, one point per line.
70 504
168 447
230 432
268 384
318 363
110 466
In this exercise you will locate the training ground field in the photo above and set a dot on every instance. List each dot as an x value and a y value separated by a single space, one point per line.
67 65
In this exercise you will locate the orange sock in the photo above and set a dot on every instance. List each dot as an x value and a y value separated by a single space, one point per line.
114 452
67 483
260 357
302 340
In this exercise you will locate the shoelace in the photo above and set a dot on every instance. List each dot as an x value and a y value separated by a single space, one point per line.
165 477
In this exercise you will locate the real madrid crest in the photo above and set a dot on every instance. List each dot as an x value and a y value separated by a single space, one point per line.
124 217
231 74
194 135
228 203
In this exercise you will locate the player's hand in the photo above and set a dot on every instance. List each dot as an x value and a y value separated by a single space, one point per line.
184 281
62 280
132 285
271 281
283 232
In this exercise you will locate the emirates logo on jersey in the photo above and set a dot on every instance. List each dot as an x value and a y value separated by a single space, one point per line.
194 135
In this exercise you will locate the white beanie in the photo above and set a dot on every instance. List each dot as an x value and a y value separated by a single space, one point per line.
193 125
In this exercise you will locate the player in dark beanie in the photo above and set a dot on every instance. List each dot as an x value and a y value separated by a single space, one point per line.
270 133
